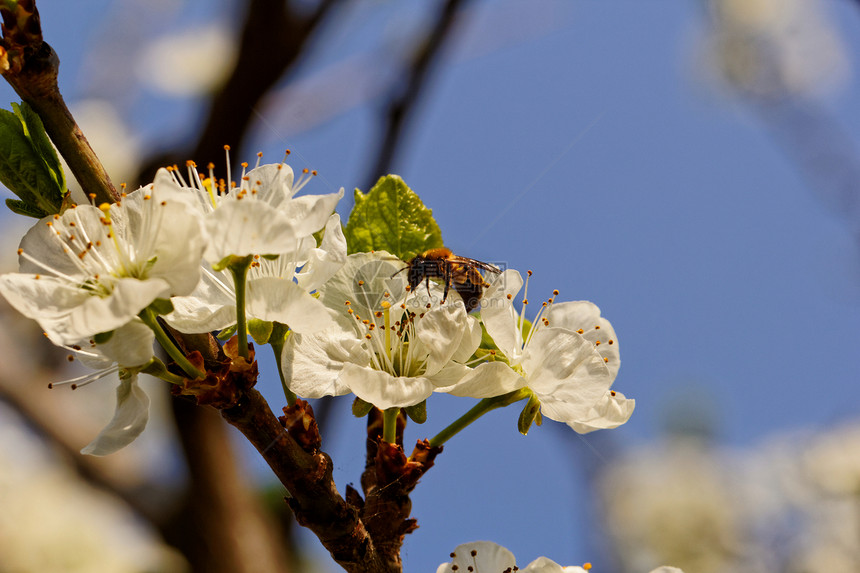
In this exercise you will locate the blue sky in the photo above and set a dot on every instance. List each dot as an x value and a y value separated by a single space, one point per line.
578 139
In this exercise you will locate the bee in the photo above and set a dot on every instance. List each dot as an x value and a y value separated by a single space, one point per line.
460 272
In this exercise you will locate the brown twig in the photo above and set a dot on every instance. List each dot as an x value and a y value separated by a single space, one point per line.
403 104
274 36
31 67
308 478
388 479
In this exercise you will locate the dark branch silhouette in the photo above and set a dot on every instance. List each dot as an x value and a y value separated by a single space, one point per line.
274 37
406 98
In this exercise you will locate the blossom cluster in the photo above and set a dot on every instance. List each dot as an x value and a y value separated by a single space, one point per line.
199 255
489 556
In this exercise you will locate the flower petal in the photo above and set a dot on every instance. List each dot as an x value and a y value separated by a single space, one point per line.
272 182
470 341
97 314
312 363
566 372
610 412
211 306
584 315
499 316
543 565
129 420
384 390
47 300
364 280
130 344
69 315
178 245
440 331
281 300
449 375
325 261
485 381
242 227
41 242
308 214
479 556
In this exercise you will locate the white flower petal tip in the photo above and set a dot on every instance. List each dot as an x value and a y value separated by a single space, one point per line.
479 556
128 422
611 411
583 317
384 390
327 259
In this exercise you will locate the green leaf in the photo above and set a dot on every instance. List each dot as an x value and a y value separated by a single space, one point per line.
21 208
16 158
391 217
29 166
35 130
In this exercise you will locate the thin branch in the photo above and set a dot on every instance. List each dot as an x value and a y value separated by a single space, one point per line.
403 104
31 67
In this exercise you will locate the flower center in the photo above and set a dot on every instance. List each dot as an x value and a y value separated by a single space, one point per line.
92 255
390 337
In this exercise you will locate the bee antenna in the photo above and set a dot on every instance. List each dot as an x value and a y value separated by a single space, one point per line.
398 272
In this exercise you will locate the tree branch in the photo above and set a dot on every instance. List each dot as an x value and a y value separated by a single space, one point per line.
401 106
273 38
308 478
31 67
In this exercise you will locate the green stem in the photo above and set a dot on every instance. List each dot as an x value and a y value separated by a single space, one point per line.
478 410
239 268
149 319
276 341
389 425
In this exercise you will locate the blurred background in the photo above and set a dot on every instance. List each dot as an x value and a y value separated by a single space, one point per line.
690 166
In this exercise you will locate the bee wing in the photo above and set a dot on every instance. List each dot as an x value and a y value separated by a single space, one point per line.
473 263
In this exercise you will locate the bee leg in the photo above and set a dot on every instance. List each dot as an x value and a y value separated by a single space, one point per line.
448 277
427 284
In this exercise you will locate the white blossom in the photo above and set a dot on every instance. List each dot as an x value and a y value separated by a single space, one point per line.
262 217
91 270
489 557
129 346
568 358
388 349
